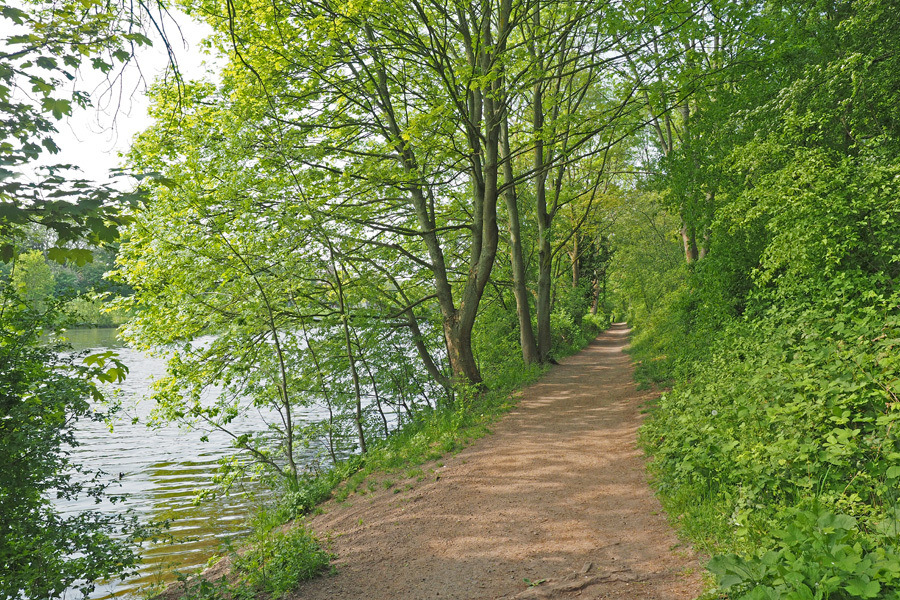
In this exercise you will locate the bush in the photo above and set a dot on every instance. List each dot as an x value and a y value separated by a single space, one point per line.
794 411
818 555
275 562
279 560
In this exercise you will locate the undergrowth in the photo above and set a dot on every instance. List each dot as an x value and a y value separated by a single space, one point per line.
778 454
273 563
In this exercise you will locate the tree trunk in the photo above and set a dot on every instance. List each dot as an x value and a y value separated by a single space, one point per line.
459 351
482 112
689 238
576 262
545 251
523 310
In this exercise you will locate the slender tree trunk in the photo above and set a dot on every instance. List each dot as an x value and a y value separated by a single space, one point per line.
520 291
430 366
710 209
545 251
321 381
284 393
351 357
545 267
374 383
576 262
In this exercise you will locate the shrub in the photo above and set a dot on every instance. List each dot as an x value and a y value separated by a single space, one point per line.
279 560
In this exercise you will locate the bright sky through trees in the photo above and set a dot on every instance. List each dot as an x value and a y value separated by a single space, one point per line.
95 138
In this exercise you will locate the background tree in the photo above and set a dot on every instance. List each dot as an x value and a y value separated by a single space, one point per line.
33 280
685 77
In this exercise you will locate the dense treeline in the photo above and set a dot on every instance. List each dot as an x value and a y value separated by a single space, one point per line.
778 441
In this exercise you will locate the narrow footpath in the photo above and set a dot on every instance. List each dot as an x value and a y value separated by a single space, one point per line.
556 495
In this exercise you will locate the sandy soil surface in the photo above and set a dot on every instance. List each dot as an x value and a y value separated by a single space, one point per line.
557 495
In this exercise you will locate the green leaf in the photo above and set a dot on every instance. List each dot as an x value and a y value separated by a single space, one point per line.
16 15
863 588
57 107
46 62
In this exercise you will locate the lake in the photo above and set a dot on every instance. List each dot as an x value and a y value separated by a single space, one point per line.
159 470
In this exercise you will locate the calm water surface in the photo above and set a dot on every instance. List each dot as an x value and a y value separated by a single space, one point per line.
159 470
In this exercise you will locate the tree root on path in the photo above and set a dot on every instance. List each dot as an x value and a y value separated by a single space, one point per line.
576 582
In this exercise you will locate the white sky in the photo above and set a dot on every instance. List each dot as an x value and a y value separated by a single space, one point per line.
94 139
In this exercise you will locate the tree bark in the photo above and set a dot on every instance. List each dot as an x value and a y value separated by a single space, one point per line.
520 291
576 261
689 239
545 252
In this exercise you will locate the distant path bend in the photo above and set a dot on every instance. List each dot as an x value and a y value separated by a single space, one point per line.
557 493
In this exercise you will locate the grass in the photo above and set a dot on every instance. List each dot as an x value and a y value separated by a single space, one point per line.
272 564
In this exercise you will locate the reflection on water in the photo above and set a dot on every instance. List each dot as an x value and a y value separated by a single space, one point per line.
159 470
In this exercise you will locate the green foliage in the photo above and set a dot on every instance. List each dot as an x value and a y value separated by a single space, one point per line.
280 559
272 563
797 404
44 392
565 330
592 323
45 44
496 336
777 445
73 279
647 284
92 311
199 588
32 279
818 555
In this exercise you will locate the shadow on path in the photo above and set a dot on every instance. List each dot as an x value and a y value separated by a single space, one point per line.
558 493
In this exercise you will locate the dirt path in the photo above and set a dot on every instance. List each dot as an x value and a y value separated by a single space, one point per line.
558 492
